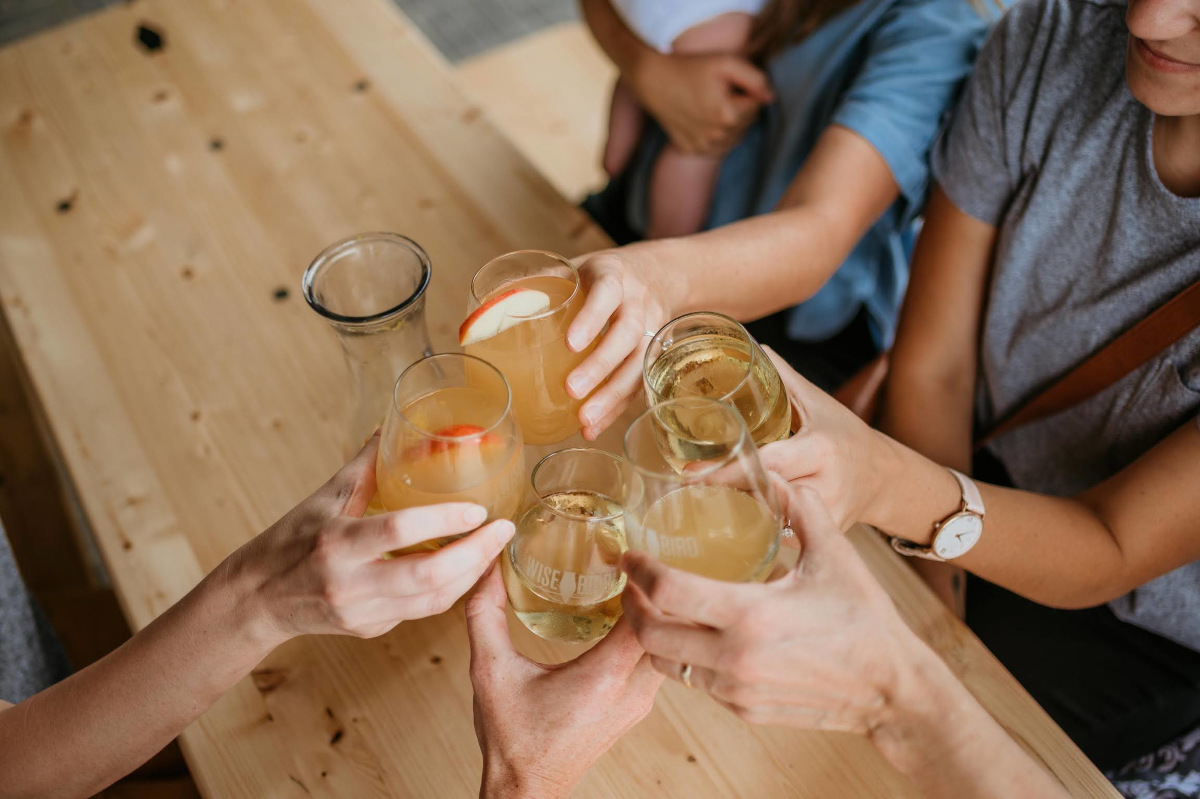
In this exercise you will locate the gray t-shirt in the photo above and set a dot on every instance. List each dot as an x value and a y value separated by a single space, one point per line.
1049 146
31 658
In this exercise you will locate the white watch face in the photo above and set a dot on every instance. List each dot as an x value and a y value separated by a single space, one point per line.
958 535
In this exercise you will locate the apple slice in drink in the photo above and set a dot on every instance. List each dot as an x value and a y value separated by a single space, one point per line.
501 312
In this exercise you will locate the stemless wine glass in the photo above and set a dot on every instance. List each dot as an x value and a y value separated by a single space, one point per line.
699 498
529 348
707 354
561 568
450 436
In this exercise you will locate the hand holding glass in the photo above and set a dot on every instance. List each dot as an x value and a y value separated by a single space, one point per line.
561 568
710 355
450 436
698 498
521 306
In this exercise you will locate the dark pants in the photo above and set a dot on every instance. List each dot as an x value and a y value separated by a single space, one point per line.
1119 691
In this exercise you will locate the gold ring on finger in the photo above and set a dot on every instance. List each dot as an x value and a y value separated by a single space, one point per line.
685 675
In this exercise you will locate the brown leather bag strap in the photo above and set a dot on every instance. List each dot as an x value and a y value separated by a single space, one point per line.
1133 348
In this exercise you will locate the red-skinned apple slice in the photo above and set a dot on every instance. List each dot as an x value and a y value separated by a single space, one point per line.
468 432
501 312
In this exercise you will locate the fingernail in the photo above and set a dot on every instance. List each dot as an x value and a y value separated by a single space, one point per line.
505 530
588 415
575 340
477 515
577 385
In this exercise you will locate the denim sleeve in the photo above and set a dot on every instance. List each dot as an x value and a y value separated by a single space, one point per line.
915 62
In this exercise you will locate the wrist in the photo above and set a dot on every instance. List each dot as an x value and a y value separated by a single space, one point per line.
237 593
912 493
505 780
663 267
927 715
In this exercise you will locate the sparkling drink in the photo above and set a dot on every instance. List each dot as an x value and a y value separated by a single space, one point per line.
699 498
523 304
573 602
451 438
710 355
712 530
561 569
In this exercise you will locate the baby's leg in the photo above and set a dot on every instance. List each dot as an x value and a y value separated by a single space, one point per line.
625 122
681 185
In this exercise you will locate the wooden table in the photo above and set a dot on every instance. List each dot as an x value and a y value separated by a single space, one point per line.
156 210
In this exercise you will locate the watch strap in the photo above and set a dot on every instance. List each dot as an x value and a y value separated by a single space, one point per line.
972 499
910 549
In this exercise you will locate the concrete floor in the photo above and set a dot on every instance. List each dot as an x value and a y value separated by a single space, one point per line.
459 28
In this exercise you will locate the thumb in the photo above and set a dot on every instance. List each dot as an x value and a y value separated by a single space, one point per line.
797 387
750 79
354 484
815 529
487 628
618 653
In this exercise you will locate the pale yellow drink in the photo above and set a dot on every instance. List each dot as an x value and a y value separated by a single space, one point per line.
715 366
534 358
707 354
442 452
562 580
712 530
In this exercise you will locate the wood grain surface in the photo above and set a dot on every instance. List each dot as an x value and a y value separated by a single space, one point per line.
157 208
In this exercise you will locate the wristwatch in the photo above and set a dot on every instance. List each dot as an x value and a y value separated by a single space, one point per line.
957 533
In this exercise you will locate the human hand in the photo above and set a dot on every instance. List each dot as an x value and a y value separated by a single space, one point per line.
822 647
833 452
320 569
703 102
625 292
541 728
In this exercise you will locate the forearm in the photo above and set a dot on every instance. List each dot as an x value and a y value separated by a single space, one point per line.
501 781
1053 550
750 268
112 716
931 414
623 48
947 744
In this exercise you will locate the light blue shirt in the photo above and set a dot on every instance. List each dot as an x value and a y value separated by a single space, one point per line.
888 70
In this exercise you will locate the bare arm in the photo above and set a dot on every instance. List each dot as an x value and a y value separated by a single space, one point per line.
114 715
619 43
317 570
704 101
822 647
780 259
1061 551
929 404
746 269
1069 552
929 399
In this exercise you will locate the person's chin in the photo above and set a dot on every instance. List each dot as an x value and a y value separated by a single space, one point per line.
1164 89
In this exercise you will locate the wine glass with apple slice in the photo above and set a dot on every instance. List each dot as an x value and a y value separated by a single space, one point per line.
450 436
521 306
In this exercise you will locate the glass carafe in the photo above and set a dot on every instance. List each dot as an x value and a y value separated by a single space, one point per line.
371 290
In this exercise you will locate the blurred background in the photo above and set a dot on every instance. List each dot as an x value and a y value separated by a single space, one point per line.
459 28
499 48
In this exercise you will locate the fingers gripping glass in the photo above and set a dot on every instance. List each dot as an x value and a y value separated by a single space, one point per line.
450 436
561 568
698 498
710 355
520 308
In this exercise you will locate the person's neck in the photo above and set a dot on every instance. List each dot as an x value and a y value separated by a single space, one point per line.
1177 153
